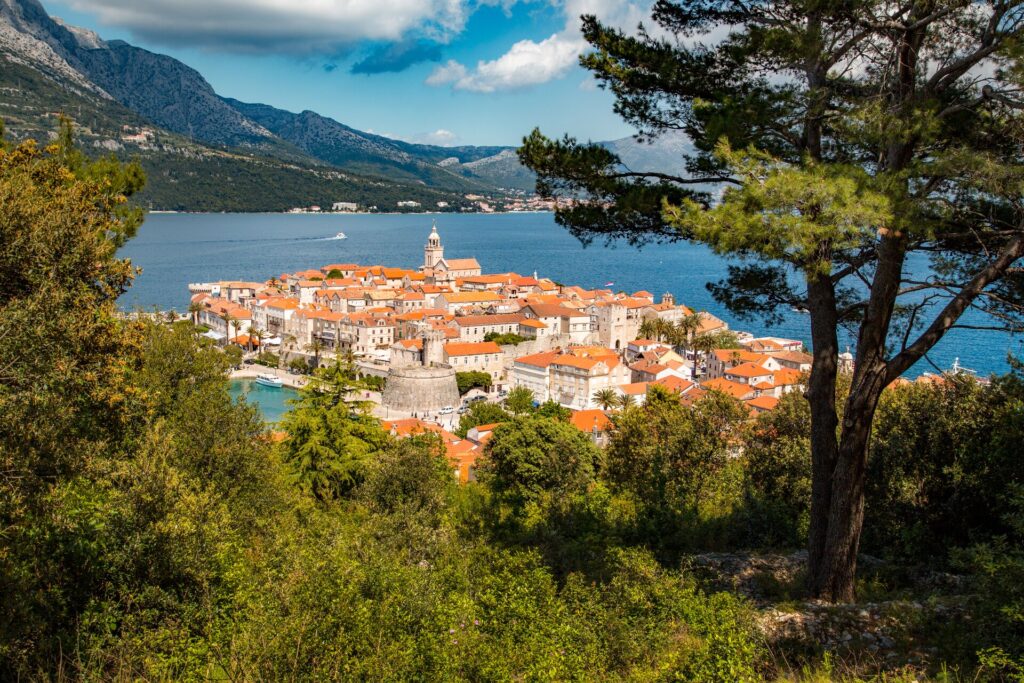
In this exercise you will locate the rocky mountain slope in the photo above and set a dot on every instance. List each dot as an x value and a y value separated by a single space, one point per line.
123 85
339 145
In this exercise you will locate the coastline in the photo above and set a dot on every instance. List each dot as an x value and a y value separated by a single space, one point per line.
290 380
169 212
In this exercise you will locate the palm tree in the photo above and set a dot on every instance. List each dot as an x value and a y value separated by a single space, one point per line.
607 398
657 329
194 308
519 400
686 331
258 335
649 328
626 401
710 341
316 347
228 321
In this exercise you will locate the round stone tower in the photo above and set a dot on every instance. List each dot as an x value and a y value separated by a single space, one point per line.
423 388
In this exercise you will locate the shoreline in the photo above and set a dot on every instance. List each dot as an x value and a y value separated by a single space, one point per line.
171 212
250 372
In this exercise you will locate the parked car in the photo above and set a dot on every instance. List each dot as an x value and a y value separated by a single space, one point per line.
447 410
476 399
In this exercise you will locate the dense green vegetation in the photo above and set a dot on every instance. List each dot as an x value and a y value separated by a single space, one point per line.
503 339
190 183
473 379
481 413
153 529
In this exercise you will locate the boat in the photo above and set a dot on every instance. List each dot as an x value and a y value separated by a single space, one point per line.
270 381
341 236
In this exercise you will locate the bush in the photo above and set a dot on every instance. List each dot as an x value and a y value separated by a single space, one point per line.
472 380
674 462
509 339
942 460
481 413
269 359
533 455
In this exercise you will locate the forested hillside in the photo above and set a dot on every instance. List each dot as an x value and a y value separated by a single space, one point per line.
186 175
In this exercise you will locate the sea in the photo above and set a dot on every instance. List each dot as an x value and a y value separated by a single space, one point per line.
272 402
175 249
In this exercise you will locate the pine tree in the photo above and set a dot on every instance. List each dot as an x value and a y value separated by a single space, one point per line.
848 138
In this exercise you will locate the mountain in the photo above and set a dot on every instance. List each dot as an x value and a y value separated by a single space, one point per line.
111 86
183 174
159 88
339 145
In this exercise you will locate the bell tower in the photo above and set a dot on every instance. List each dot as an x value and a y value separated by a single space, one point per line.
433 253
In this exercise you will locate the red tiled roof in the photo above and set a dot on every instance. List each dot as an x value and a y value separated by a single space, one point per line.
585 420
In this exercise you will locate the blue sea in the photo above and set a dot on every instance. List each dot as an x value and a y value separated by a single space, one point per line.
272 401
176 249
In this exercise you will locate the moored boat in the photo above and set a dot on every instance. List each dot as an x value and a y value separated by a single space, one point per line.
269 381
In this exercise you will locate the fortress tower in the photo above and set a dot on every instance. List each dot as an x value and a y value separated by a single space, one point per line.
433 253
433 347
423 388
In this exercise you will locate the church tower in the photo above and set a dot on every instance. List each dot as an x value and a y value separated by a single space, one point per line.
433 253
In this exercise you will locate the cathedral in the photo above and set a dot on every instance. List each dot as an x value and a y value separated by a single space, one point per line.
440 270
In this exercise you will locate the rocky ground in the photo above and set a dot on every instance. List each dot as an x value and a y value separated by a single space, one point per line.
890 631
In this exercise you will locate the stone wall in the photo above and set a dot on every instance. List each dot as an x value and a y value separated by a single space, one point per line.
532 346
421 390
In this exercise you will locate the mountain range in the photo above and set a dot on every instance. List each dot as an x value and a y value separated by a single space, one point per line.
207 152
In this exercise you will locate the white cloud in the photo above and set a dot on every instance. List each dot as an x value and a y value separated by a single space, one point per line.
526 63
529 63
450 72
288 26
440 137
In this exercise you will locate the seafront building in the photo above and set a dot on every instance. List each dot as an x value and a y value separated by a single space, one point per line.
564 343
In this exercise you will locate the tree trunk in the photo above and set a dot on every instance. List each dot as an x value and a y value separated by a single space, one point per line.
833 577
833 551
821 393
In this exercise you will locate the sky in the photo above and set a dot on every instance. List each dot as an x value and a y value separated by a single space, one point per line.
449 72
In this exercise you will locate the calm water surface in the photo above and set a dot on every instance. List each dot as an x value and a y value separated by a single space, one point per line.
176 249
272 401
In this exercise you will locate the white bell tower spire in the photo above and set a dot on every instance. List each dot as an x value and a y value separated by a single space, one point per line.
433 253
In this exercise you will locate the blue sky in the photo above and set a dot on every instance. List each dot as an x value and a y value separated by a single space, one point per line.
481 72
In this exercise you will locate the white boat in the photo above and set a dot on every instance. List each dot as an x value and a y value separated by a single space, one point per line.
270 381
341 236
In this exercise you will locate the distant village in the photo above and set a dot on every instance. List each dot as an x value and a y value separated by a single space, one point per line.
511 201
584 349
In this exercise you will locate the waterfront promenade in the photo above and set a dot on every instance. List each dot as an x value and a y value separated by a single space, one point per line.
290 380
